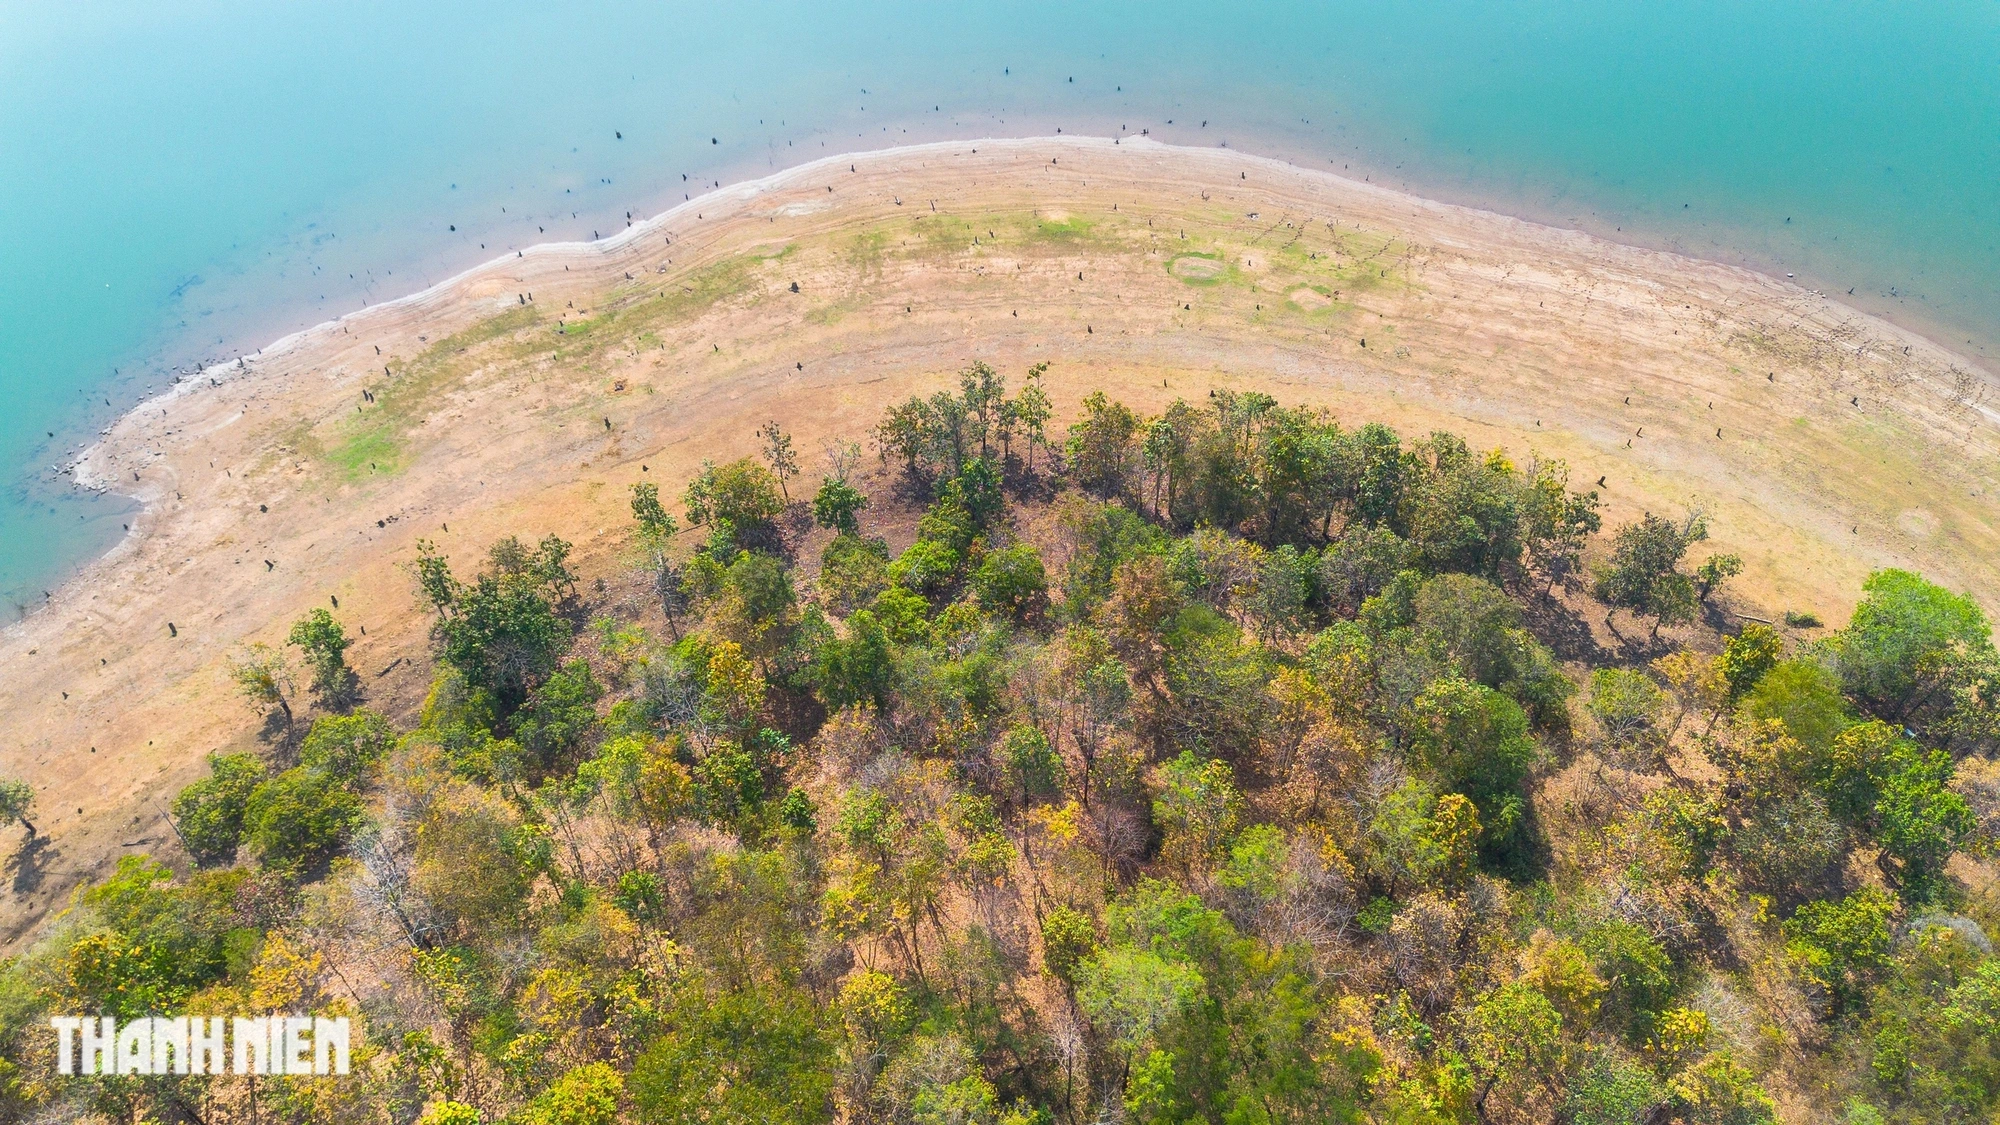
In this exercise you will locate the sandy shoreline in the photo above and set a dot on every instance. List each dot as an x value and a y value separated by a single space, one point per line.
1843 442
81 465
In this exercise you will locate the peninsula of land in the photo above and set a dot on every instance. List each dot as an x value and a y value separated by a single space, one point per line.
526 396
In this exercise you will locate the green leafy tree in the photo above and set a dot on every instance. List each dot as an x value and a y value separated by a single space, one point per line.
449 1113
479 832
728 785
1841 947
208 814
1920 821
325 644
1197 807
16 798
1638 976
1377 477
927 566
298 819
1278 599
1610 1091
838 505
852 570
560 713
740 494
901 432
1513 1036
1473 623
1134 994
1556 523
1908 641
263 678
858 668
1069 937
1030 764
1463 512
1713 572
797 811
1033 410
501 633
1165 453
933 436
639 895
657 529
1803 696
984 392
1359 564
657 526
346 747
1748 655
1477 740
759 1056
1418 839
1011 581
779 455
587 1095
1100 446
153 942
1933 1036
1718 1090
1643 573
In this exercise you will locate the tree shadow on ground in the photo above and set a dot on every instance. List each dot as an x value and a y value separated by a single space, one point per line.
26 868
282 735
1727 622
797 521
1566 631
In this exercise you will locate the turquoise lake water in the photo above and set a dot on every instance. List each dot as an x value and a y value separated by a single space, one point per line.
181 182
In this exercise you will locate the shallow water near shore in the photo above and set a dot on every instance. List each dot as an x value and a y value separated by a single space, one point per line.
181 186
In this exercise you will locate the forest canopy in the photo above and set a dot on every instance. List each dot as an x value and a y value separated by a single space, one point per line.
1230 765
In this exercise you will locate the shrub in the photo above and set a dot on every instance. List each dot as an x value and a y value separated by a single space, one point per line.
346 747
859 668
1011 581
852 570
837 506
1805 697
561 713
742 493
1748 655
1842 946
209 812
298 819
325 643
926 567
587 1095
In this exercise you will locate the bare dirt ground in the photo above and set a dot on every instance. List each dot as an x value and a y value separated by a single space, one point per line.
526 396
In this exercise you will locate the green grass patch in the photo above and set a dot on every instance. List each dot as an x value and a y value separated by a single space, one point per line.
867 251
1199 268
1073 229
580 329
367 452
377 433
943 234
634 316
